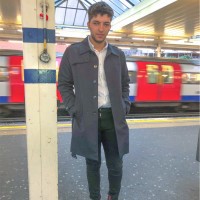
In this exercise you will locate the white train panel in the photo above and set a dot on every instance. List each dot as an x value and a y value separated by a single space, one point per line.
3 61
4 81
190 89
4 89
190 68
131 66
132 92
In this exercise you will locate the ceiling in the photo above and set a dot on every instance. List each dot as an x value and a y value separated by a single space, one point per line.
145 23
74 12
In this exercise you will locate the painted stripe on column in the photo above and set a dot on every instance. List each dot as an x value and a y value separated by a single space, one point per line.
39 76
3 99
36 35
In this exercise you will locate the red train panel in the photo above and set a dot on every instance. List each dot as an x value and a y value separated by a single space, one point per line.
158 82
16 79
58 60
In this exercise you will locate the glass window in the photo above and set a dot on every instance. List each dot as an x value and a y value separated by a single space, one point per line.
185 77
167 74
152 74
3 74
132 76
198 78
66 10
191 78
80 17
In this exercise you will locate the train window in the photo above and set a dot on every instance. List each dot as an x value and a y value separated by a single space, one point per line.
191 78
152 74
167 74
3 74
198 78
184 77
132 76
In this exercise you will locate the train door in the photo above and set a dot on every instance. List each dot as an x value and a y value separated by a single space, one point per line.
147 81
170 83
16 78
4 84
158 82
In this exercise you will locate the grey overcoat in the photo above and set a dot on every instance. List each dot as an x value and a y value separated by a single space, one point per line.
79 71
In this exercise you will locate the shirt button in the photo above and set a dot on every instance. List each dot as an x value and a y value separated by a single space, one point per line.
95 66
94 81
94 97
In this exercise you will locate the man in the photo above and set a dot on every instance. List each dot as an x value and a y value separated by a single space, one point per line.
94 84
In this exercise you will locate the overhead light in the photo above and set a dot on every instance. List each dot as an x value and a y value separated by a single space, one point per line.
174 32
170 41
15 41
19 30
144 39
19 18
137 12
124 47
114 37
74 33
169 50
183 51
183 42
146 50
1 29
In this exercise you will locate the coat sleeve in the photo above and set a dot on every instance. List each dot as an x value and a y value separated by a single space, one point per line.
125 83
66 84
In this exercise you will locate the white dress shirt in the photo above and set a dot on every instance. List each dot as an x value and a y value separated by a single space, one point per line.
103 94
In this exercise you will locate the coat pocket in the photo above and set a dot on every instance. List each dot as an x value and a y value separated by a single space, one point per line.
82 59
124 106
77 107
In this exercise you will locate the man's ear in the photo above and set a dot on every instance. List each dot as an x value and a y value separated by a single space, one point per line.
88 24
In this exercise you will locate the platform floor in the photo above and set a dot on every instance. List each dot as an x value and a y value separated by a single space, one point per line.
160 166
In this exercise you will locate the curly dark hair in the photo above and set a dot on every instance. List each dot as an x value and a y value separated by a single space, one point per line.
101 8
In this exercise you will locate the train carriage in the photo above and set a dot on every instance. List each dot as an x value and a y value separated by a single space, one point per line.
190 93
154 82
160 82
4 82
11 81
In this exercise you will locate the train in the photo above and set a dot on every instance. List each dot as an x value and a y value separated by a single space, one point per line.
154 82
164 82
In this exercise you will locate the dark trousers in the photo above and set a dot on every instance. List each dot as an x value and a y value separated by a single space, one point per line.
107 137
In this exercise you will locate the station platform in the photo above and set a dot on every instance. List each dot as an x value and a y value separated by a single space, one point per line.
161 164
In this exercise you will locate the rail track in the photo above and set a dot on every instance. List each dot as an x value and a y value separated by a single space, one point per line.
17 119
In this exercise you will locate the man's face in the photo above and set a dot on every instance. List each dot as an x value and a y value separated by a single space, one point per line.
99 27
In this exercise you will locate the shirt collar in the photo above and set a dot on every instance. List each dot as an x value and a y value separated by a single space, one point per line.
92 46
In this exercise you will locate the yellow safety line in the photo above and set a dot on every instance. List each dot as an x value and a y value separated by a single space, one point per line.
161 120
129 121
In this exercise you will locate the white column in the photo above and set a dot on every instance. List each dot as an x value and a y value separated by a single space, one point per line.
158 50
40 100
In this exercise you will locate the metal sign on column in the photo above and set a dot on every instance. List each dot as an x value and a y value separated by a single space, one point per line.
38 19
